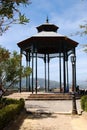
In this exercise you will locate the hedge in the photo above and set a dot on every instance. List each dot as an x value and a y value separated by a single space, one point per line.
9 112
86 106
84 102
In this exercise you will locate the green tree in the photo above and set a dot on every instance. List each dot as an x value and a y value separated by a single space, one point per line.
4 55
10 13
10 69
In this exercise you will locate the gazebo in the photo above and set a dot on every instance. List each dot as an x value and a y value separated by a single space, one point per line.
48 44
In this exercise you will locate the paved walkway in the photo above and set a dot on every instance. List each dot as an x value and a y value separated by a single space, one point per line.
49 115
52 106
54 122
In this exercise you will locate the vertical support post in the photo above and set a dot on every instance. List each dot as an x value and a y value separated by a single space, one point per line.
60 72
67 77
45 71
32 70
26 66
67 80
64 74
48 73
36 71
73 87
20 74
29 75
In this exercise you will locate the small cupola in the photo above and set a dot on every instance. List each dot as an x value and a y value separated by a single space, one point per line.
47 27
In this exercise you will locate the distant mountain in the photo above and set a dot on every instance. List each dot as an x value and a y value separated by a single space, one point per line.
52 84
41 83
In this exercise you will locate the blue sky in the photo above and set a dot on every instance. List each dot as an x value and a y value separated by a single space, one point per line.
67 15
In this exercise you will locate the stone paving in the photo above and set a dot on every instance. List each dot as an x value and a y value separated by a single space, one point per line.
49 115
53 106
47 122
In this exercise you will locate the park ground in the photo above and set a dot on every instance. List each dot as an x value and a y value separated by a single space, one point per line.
48 115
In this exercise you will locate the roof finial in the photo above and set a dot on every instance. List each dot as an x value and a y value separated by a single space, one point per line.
47 20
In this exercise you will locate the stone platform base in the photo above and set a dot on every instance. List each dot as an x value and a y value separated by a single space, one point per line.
52 96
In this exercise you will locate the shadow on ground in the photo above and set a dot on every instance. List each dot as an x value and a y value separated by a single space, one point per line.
40 114
18 122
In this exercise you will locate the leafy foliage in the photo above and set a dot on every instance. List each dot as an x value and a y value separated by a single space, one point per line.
84 102
10 69
9 112
4 54
10 13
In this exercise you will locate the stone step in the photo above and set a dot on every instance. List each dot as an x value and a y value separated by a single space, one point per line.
59 96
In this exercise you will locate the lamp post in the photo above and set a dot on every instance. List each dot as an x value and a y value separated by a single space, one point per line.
73 61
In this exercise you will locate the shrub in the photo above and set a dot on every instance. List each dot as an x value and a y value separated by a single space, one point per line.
83 102
86 106
8 101
9 112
